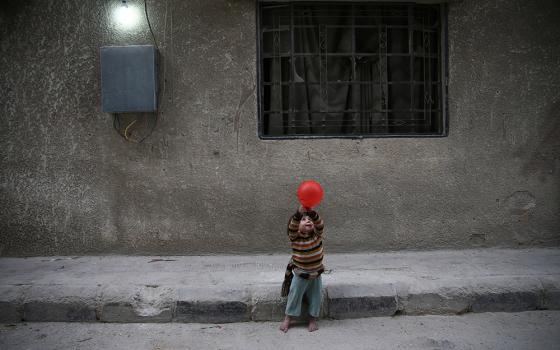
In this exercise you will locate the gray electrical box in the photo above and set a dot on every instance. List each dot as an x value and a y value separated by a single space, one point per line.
129 78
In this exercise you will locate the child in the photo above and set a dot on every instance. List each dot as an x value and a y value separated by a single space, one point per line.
305 231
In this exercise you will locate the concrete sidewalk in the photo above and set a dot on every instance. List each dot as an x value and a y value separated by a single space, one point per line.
529 330
220 289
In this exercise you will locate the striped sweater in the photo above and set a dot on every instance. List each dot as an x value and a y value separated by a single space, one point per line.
307 249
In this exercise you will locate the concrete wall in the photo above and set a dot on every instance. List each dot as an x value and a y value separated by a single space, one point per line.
204 182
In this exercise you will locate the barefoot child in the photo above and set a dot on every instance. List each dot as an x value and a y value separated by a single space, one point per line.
305 231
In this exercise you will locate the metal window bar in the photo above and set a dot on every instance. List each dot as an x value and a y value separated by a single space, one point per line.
363 120
411 53
291 114
323 71
277 67
329 26
332 54
384 87
427 79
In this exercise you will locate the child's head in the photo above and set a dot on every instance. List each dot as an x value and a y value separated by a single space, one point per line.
306 225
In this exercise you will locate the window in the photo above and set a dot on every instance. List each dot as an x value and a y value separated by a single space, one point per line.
351 69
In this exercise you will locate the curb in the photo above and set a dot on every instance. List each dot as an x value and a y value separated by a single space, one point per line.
57 303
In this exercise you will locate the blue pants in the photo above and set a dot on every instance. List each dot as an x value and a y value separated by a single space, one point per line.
300 287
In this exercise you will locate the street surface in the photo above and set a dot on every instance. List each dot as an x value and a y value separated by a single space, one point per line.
525 330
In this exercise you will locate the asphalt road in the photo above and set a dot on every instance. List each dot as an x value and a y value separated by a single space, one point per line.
524 330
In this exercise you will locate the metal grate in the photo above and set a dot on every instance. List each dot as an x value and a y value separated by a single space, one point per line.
351 70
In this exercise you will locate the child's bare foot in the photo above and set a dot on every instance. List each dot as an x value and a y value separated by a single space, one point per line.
312 324
286 324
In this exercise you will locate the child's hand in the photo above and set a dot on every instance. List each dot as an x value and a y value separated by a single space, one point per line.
303 209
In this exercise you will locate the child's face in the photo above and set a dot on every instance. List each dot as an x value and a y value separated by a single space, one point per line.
306 225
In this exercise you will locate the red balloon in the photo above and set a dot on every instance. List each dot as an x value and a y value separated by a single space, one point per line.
309 193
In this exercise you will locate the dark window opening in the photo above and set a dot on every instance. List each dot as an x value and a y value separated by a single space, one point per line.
351 69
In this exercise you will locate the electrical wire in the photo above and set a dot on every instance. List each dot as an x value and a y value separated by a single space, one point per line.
152 130
149 24
115 123
157 48
116 119
126 135
126 130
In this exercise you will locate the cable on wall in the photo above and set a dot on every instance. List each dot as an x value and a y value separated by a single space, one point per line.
116 117
149 24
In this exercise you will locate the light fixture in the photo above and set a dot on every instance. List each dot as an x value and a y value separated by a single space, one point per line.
126 16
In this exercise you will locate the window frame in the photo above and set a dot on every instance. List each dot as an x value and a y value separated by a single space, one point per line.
444 56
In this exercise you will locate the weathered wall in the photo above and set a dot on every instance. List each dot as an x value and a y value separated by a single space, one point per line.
204 182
